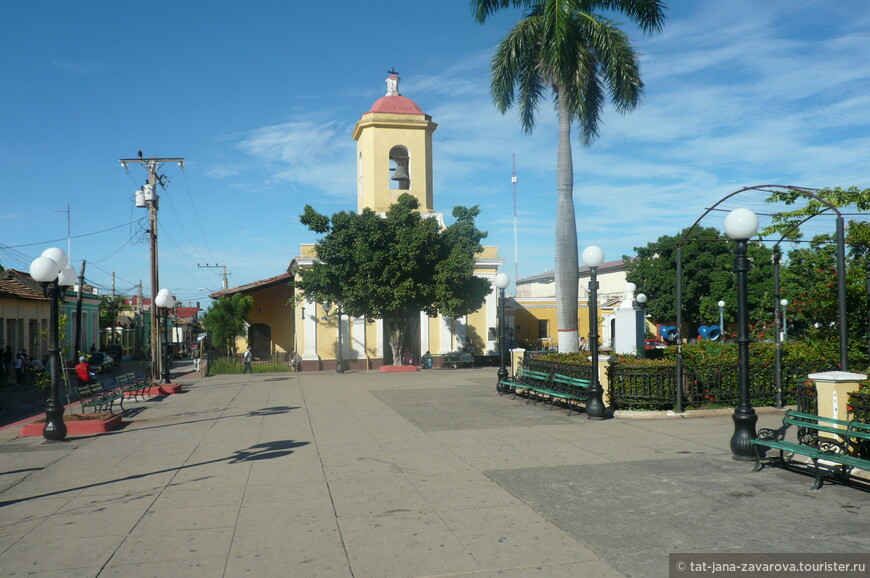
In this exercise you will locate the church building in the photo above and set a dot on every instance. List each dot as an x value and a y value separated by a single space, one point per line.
394 156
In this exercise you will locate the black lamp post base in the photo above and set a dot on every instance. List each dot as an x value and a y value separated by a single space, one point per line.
55 428
339 367
744 431
502 375
594 403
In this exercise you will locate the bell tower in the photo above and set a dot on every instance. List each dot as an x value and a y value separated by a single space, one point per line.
394 152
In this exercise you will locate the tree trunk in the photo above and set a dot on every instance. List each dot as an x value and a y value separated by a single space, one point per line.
567 264
398 326
397 336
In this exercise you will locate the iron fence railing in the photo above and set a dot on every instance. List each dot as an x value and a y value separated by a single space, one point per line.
655 387
221 362
581 371
859 405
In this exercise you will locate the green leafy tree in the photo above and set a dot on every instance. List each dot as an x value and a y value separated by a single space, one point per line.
809 280
109 308
708 260
566 47
225 320
391 267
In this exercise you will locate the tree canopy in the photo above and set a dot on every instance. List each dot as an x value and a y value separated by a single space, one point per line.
568 48
395 265
225 320
109 308
809 278
708 259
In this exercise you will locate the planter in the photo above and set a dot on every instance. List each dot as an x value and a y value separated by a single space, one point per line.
77 424
398 368
163 389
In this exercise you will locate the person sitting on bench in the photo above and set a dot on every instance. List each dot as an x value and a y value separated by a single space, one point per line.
83 371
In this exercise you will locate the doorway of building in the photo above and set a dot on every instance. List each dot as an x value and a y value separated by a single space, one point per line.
260 338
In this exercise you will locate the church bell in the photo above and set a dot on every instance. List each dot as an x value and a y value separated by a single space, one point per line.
401 173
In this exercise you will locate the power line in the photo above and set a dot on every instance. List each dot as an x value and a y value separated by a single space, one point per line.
74 237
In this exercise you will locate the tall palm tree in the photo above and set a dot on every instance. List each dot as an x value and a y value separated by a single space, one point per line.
581 56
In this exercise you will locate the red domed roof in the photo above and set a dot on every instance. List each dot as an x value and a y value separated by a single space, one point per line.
396 104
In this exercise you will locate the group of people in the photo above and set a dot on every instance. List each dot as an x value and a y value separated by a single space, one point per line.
22 364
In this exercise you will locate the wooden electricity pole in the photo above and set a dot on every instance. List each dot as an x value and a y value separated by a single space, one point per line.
147 197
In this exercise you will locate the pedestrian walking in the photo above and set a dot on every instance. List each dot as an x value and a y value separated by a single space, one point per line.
7 362
20 361
247 358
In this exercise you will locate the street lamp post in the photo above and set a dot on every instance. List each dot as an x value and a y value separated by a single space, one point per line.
741 225
784 303
339 361
502 280
721 305
53 271
166 301
593 257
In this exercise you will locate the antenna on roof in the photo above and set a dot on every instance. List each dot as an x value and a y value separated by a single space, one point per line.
516 250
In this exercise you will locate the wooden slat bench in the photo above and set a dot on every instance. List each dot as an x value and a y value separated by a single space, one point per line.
452 360
571 389
93 395
527 380
132 385
551 386
822 439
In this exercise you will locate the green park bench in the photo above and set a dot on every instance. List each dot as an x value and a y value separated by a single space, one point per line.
95 396
132 385
452 360
572 390
826 441
551 386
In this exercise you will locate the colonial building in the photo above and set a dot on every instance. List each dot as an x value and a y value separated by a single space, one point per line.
24 313
394 156
532 312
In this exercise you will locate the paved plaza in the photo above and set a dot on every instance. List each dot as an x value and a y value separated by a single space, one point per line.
368 474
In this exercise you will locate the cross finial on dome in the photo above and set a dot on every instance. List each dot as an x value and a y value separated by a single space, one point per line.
393 83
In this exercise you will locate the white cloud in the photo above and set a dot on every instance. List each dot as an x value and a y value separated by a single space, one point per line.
309 155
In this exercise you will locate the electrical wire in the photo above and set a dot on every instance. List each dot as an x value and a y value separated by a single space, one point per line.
72 237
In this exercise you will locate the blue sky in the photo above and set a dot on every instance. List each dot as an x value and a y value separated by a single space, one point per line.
260 99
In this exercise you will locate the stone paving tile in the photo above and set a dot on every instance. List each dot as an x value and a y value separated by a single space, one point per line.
66 554
406 545
143 547
195 568
320 474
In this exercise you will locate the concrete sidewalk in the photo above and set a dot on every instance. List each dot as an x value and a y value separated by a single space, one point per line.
382 475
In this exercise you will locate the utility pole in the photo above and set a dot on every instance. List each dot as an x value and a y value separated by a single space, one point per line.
147 197
226 284
140 335
78 321
112 317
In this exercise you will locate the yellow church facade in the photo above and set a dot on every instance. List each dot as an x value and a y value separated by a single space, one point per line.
393 156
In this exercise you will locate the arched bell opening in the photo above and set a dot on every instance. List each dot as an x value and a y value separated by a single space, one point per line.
400 178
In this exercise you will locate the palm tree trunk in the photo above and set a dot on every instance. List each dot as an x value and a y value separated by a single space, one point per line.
567 264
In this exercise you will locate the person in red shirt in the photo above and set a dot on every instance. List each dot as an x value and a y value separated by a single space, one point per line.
83 371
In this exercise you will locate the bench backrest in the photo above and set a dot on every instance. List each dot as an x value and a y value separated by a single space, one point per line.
849 429
532 375
571 381
815 422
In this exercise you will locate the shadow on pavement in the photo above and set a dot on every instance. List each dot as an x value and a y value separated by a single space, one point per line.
264 451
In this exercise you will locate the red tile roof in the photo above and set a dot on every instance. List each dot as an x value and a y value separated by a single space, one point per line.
278 279
21 285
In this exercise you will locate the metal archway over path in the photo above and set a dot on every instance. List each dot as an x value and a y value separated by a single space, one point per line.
841 272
